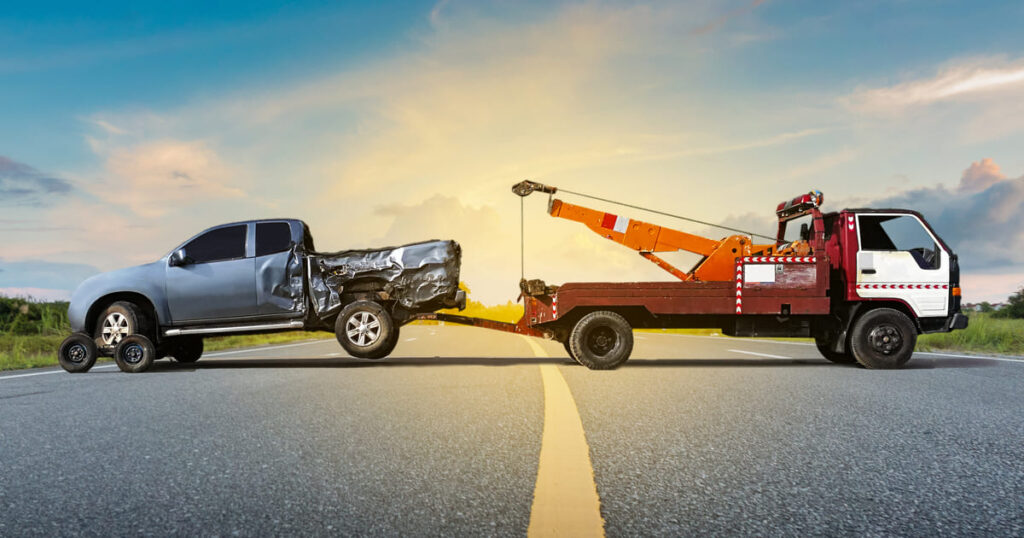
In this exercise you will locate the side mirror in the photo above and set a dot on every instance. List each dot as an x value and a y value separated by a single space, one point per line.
178 258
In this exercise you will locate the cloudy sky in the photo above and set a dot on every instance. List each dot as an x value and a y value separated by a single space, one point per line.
125 127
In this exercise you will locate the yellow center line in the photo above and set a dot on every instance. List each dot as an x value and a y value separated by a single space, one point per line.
565 501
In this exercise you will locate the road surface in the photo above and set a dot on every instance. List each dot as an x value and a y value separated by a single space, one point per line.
693 436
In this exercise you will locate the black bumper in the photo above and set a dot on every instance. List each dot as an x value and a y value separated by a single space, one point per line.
956 322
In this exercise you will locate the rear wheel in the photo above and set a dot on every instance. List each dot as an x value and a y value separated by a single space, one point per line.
77 353
568 349
883 338
365 330
825 347
135 354
601 340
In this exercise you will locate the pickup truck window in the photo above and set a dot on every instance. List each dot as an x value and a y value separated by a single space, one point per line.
215 245
272 237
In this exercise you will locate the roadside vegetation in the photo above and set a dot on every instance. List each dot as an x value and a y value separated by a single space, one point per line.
31 331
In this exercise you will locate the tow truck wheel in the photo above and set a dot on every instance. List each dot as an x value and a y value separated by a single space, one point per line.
601 340
77 353
883 339
186 349
365 330
826 350
568 349
135 354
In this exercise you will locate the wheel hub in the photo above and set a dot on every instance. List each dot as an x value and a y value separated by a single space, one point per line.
77 353
132 354
115 328
363 329
885 339
601 340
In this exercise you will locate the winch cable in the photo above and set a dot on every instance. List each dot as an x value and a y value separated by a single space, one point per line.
522 238
655 211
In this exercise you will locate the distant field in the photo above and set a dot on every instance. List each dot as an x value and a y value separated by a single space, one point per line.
30 333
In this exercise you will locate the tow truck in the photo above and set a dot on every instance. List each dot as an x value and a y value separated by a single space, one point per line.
863 283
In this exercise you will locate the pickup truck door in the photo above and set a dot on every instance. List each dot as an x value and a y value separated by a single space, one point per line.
218 279
280 275
900 259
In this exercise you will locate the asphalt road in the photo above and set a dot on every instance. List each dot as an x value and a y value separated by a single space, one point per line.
693 436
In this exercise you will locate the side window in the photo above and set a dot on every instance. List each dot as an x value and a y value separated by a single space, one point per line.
221 244
902 233
272 237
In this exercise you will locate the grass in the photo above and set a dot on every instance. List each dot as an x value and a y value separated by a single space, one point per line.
984 334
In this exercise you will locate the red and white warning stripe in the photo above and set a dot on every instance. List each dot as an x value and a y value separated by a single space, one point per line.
739 287
902 286
554 306
780 259
615 223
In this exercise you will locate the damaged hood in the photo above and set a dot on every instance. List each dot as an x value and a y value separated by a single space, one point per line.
420 277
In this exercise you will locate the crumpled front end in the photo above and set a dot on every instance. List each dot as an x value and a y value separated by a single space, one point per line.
420 277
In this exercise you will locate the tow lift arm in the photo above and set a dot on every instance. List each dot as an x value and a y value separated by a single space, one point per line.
719 260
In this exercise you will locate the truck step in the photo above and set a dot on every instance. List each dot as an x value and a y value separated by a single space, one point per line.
275 326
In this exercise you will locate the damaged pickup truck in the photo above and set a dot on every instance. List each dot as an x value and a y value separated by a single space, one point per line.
257 277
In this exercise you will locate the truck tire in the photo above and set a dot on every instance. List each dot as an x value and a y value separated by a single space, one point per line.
77 353
134 354
186 349
825 348
601 340
568 349
117 321
365 330
883 339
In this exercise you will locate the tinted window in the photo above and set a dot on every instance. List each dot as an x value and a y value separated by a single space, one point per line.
795 227
220 244
272 237
899 232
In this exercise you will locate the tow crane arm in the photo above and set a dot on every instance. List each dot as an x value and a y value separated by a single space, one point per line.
718 264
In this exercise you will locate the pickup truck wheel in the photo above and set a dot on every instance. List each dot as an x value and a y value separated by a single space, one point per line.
117 321
825 348
365 330
883 338
186 349
601 340
77 353
135 354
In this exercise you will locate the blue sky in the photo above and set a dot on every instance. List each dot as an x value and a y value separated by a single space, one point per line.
127 127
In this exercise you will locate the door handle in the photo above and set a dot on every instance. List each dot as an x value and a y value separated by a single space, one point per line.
867 271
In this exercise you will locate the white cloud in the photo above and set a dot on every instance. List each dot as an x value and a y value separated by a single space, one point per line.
151 178
967 79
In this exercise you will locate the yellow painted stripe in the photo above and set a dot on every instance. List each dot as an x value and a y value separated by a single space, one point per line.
565 501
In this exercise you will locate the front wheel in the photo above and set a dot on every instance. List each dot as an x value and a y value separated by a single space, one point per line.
365 330
601 340
119 320
883 339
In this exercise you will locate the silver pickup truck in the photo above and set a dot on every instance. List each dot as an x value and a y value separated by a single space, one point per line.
256 277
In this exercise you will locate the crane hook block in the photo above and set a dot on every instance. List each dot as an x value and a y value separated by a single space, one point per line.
526 187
